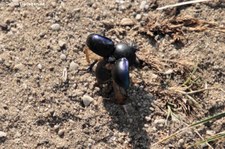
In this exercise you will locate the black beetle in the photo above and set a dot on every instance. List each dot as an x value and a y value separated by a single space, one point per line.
114 66
100 45
120 73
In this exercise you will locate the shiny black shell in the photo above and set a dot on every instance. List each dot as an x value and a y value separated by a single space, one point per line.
120 73
100 45
103 74
125 50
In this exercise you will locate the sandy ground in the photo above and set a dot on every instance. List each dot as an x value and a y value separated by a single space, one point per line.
43 76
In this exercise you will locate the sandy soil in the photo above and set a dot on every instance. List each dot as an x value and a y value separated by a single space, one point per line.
43 76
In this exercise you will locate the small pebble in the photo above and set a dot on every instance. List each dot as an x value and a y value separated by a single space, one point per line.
73 66
122 7
216 67
43 141
119 1
154 128
56 127
39 66
127 22
4 26
210 132
171 146
61 133
19 66
146 7
149 96
181 142
61 43
169 71
147 118
152 109
159 122
138 17
42 34
15 3
87 100
142 5
17 135
62 56
55 27
97 89
146 125
3 134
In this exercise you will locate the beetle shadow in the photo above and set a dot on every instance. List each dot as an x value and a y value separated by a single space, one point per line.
130 117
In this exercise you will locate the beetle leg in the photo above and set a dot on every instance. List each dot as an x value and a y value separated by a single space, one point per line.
86 51
89 69
119 96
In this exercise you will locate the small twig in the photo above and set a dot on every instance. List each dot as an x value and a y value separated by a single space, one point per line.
191 75
203 140
210 139
181 4
217 116
171 136
196 131
222 90
201 90
193 101
195 91
193 125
